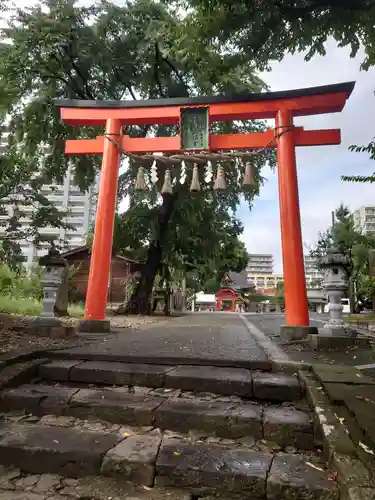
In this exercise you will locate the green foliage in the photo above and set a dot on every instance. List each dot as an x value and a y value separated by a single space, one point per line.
202 239
353 244
349 240
262 31
142 49
21 284
21 292
22 305
359 178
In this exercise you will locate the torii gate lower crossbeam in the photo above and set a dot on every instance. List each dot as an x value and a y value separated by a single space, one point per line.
282 106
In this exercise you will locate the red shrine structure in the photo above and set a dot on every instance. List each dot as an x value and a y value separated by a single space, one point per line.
280 106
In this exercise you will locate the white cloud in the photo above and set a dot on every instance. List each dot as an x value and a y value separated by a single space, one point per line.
319 169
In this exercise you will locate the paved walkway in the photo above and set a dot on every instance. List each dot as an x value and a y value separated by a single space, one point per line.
220 339
270 323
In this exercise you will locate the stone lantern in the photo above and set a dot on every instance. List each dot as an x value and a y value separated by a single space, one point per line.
54 266
335 284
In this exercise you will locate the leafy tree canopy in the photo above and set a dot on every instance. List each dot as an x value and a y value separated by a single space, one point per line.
352 243
265 30
262 31
140 50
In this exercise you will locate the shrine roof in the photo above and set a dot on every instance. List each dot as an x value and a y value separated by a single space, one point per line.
346 87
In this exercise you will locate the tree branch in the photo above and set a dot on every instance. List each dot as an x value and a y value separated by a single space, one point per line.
156 70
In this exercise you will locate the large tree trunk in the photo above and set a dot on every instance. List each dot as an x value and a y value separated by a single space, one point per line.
140 302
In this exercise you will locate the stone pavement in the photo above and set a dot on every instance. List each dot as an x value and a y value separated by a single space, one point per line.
220 339
270 323
199 404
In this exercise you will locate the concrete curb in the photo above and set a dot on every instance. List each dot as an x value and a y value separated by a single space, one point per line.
273 353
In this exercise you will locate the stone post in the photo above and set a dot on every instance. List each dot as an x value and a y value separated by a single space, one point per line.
46 324
52 279
334 285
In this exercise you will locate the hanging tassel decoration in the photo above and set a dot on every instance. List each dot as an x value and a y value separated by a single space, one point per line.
140 183
195 186
220 184
167 186
248 179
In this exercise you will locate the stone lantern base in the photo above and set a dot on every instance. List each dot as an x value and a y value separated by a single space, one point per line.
50 327
335 340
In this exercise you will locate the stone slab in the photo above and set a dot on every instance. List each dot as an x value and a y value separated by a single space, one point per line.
102 372
105 488
57 370
341 375
133 459
20 399
113 406
337 342
216 339
327 425
356 493
217 418
339 393
363 412
293 478
276 387
21 495
37 399
207 469
55 450
288 427
351 471
19 373
219 380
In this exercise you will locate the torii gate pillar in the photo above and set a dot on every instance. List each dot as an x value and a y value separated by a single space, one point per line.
290 223
97 288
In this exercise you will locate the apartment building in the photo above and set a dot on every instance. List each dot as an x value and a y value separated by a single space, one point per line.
364 219
314 276
266 282
81 209
260 264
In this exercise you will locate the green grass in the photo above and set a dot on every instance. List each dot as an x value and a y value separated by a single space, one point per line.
31 307
361 318
20 305
76 310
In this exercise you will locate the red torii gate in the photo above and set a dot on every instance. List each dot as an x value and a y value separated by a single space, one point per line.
282 106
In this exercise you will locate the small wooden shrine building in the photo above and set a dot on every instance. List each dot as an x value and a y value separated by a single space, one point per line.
233 291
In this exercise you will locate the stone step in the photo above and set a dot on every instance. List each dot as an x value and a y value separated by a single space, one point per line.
231 419
209 469
148 459
225 381
17 485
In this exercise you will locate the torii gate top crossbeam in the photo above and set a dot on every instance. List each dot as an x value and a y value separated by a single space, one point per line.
300 102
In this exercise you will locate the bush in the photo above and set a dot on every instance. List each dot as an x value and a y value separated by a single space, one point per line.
22 292
76 310
21 306
22 283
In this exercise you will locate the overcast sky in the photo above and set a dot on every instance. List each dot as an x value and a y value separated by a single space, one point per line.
319 167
